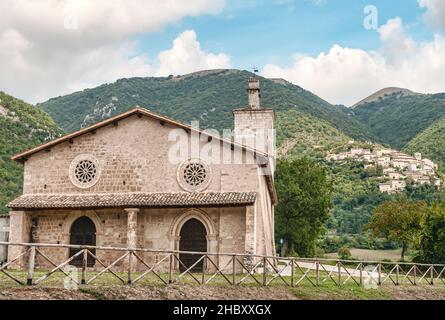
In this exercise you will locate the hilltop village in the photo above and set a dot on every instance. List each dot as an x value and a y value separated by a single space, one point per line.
397 168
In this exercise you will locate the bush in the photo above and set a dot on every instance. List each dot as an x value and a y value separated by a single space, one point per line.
344 253
319 252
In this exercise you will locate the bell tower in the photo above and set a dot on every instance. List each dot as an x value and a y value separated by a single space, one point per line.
254 93
254 127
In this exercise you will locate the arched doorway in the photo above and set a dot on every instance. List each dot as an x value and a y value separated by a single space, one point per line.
193 238
83 232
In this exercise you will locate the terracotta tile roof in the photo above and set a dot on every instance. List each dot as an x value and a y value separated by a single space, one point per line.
129 200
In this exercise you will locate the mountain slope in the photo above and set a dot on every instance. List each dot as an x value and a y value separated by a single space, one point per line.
385 93
430 142
299 134
207 96
395 120
21 126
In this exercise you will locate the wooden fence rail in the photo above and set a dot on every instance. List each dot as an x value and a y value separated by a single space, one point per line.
231 268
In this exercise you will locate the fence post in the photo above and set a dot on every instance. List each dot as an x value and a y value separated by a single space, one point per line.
292 272
84 266
339 273
397 275
234 270
317 271
379 268
130 262
264 271
415 274
361 273
31 264
203 269
170 262
432 275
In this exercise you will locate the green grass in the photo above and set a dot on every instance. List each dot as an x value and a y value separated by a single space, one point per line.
107 286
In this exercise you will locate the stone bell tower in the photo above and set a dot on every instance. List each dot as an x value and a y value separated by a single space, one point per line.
254 93
254 127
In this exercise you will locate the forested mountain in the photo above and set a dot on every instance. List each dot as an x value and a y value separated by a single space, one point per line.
207 96
396 119
431 142
306 125
21 126
384 93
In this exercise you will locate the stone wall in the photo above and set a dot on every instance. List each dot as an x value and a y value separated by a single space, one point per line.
133 157
157 229
4 236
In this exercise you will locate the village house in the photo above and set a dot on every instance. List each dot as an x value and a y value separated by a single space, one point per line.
114 184
397 166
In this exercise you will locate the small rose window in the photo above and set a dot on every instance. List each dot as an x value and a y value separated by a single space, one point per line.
84 171
194 175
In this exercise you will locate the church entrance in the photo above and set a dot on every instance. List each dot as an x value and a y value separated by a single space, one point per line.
83 232
193 238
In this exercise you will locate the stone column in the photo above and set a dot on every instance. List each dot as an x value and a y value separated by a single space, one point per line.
132 227
250 239
19 231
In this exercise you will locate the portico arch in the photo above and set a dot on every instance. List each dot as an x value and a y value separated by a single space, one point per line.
73 216
201 216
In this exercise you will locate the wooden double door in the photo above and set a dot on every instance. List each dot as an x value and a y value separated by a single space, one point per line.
83 232
193 239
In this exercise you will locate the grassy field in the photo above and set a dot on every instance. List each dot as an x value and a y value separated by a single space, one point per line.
108 287
372 255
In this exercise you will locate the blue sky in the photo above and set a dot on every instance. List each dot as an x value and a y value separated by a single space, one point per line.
48 50
267 31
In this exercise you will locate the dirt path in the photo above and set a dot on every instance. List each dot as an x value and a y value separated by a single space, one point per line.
173 292
195 292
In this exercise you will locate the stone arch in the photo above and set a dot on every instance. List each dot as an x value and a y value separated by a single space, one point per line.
197 214
74 215
201 216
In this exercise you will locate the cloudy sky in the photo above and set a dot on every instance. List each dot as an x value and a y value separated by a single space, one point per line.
342 50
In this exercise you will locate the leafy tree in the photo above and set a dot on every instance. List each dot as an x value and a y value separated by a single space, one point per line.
304 193
399 221
432 239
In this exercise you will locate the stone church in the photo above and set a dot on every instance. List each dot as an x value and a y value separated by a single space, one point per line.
114 184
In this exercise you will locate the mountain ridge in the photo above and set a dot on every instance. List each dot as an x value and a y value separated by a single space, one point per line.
385 92
207 96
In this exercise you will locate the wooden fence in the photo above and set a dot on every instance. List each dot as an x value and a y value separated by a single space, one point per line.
237 269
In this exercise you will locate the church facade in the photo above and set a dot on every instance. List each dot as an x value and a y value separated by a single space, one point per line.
136 181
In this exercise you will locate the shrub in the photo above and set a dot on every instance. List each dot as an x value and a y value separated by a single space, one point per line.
344 253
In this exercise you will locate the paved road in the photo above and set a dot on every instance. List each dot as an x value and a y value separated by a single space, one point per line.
325 269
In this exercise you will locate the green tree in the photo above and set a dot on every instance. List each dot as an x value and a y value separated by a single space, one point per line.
432 239
399 221
304 194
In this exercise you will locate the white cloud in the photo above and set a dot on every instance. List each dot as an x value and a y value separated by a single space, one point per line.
435 13
347 75
52 47
187 56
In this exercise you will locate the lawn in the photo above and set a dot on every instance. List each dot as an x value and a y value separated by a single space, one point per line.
107 286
